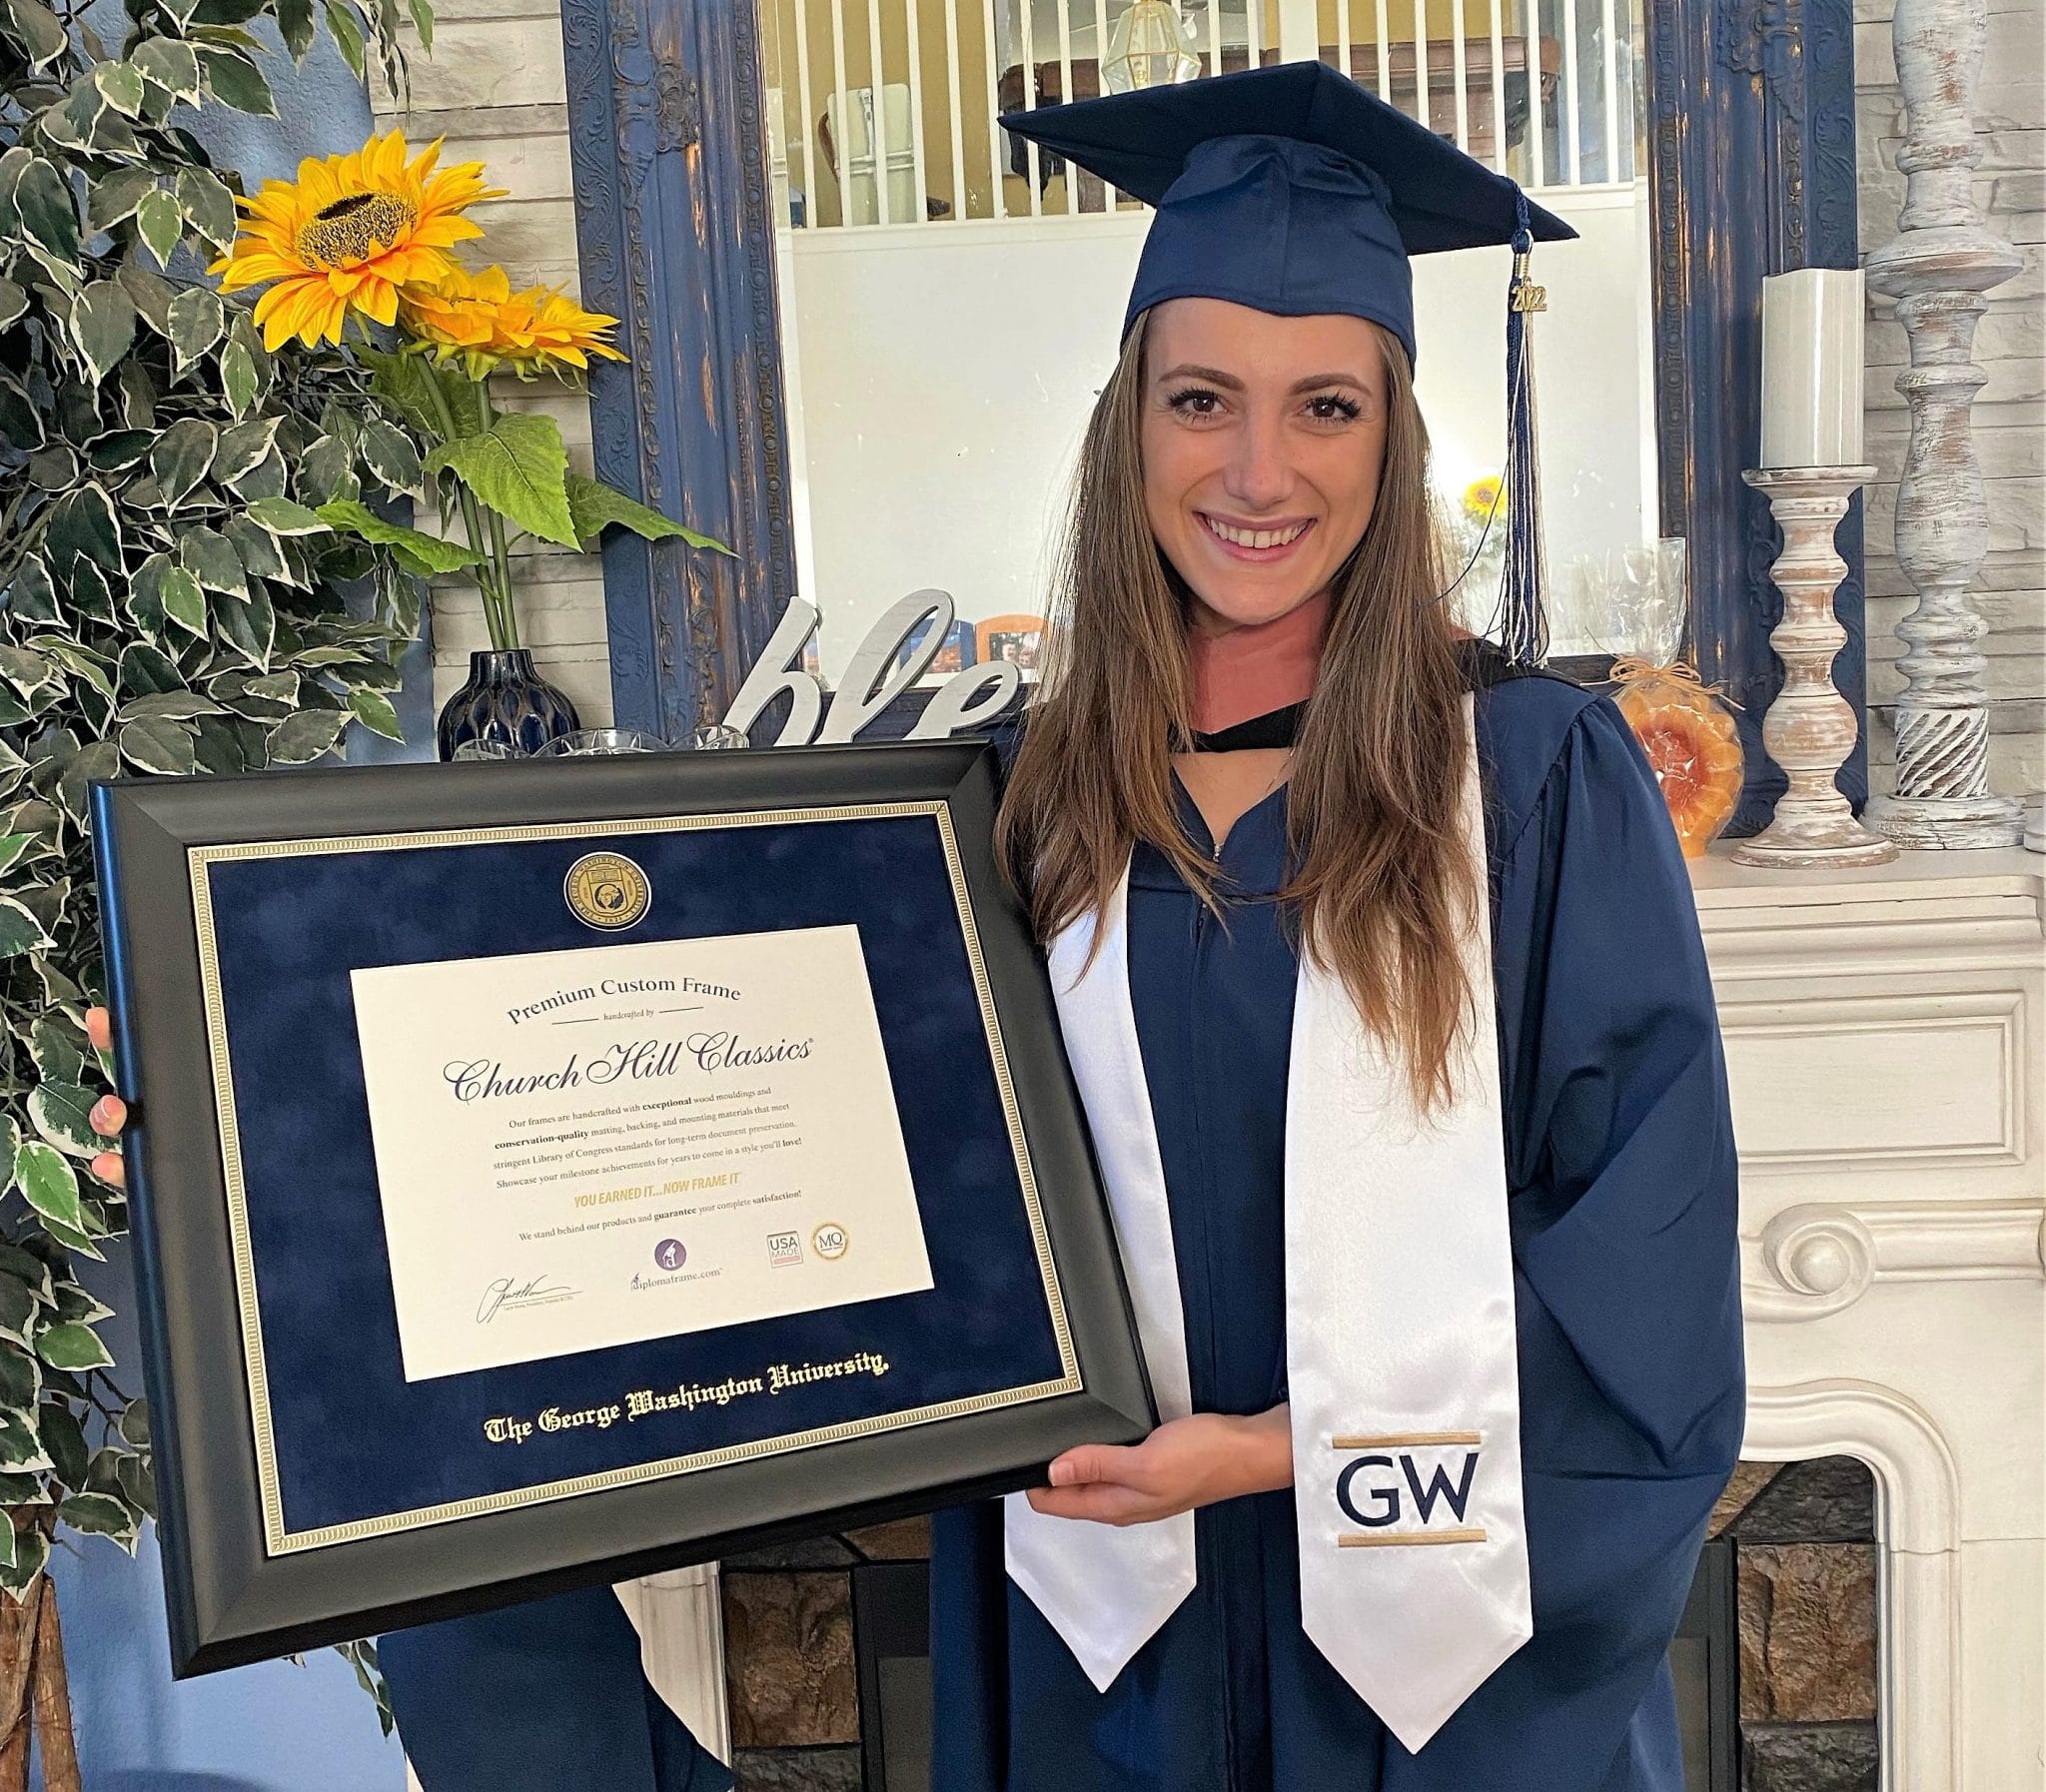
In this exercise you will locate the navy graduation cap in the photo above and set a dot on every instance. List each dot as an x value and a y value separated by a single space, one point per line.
1292 190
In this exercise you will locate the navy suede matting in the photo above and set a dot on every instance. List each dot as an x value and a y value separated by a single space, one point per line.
354 1440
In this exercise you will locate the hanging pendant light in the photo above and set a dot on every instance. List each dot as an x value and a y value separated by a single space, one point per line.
1151 46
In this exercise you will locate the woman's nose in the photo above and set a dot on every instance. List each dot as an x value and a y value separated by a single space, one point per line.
1258 476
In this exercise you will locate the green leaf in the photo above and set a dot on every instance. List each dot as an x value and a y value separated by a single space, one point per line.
20 931
594 505
248 622
100 1514
211 558
57 1047
73 1346
160 746
115 196
47 1181
82 521
13 302
424 553
120 86
283 517
21 1449
391 456
59 1111
41 31
184 601
171 63
31 1552
196 322
373 710
419 388
25 671
238 376
209 203
181 457
304 738
49 216
21 1378
103 324
19 1311
235 80
98 760
12 846
169 706
134 1425
347 35
160 222
63 1441
295 25
521 469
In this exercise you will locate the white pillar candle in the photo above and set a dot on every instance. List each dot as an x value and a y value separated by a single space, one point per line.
1811 367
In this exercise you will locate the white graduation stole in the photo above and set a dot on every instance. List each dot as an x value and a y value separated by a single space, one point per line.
1401 1357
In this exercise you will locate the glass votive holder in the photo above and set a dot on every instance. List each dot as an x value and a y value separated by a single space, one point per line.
580 742
716 736
485 750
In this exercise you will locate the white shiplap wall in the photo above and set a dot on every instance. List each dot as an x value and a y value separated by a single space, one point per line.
494 88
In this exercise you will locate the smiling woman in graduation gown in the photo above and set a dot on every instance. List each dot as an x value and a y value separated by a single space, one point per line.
1619 1175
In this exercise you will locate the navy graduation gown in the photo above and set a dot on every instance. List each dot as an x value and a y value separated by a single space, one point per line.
1622 1176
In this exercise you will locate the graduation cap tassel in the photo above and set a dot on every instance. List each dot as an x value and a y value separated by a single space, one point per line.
1523 630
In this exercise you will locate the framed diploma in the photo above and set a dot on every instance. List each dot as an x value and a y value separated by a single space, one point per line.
555 1171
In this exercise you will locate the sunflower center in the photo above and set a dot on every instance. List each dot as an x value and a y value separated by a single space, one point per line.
354 227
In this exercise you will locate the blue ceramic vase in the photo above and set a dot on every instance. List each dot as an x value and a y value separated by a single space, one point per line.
505 700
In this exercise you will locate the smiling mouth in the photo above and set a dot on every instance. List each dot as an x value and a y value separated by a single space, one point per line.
1270 542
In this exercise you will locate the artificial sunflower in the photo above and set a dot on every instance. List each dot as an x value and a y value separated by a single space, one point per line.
1480 498
348 234
480 318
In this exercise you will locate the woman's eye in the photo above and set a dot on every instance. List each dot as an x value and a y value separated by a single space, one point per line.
1330 408
1194 401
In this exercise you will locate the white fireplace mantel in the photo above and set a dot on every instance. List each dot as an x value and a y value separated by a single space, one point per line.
1884 1044
1885 1031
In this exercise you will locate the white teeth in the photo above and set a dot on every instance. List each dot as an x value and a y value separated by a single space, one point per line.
1259 537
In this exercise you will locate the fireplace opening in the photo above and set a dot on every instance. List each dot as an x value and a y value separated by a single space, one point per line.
1774 1664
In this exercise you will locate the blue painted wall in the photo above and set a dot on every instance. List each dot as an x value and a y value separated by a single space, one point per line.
274 1727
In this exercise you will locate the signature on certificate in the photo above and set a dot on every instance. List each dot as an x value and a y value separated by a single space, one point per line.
508 1293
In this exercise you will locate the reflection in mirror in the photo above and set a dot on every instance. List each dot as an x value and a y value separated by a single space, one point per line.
949 297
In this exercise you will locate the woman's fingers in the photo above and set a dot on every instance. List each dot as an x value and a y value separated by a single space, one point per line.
1090 1463
1103 1503
110 1113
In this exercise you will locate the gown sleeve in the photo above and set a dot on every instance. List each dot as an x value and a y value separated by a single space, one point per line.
1623 1183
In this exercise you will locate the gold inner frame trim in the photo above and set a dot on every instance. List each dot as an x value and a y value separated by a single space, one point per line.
278 1539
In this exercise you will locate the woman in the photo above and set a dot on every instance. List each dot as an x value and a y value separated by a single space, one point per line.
1250 779
1340 903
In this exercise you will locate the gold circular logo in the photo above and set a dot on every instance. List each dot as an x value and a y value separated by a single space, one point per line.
830 1242
607 890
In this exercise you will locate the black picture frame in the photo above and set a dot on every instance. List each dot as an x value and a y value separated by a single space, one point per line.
231 1599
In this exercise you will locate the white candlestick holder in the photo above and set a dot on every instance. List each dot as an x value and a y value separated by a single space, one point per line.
1809 729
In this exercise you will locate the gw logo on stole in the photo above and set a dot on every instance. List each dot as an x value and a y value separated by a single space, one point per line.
1407 1489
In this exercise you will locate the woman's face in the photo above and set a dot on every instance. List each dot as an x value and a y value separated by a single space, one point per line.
1262 441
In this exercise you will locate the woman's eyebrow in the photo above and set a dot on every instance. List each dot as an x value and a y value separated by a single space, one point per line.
1314 380
1214 375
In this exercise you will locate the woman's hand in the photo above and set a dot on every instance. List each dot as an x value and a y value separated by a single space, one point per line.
1186 1463
110 1113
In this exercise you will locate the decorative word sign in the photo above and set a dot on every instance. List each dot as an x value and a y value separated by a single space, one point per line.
880 672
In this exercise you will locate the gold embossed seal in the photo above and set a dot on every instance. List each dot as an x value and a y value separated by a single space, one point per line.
607 890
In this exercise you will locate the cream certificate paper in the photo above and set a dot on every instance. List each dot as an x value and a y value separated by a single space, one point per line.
598 1146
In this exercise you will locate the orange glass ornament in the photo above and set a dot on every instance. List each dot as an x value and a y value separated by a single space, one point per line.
1691 742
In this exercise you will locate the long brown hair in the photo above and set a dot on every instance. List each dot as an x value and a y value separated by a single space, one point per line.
1382 884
